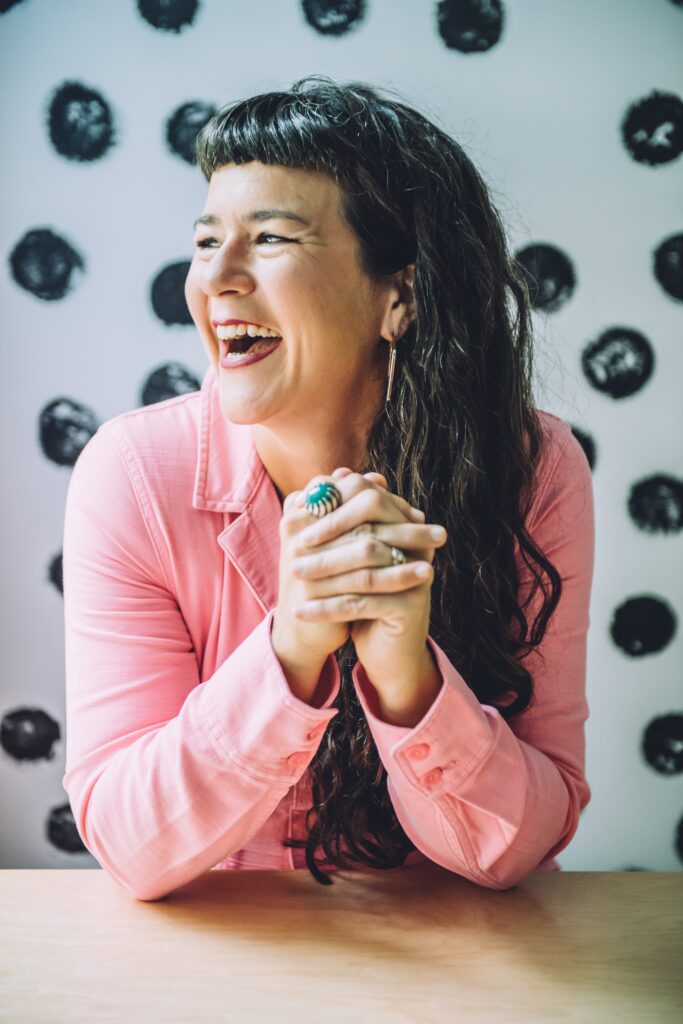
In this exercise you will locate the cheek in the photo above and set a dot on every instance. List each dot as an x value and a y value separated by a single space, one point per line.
197 304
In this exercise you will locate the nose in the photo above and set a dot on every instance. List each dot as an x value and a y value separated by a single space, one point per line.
224 272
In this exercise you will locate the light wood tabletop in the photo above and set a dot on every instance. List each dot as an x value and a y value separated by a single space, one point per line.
416 944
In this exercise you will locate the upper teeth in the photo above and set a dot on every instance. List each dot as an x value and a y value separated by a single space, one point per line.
237 330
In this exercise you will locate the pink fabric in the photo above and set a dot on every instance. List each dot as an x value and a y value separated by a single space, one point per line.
186 749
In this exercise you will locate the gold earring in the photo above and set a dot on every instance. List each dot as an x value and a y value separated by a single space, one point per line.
392 367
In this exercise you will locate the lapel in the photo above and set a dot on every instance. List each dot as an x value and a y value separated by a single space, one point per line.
230 478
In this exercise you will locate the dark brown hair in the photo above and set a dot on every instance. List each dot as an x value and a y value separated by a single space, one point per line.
460 438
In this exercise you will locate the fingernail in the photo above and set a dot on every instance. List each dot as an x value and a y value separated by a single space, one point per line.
437 533
417 513
422 570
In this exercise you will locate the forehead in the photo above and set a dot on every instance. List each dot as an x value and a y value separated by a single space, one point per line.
237 189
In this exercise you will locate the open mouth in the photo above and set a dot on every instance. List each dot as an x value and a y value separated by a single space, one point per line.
244 351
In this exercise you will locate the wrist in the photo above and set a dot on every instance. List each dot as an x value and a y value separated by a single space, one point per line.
405 702
302 672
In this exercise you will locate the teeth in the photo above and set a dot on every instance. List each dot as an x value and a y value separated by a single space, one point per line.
236 357
238 330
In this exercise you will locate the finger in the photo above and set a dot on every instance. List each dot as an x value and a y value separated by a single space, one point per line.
366 504
358 550
383 580
377 478
350 484
407 536
348 607
290 500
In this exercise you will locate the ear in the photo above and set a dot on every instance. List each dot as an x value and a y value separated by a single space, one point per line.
400 308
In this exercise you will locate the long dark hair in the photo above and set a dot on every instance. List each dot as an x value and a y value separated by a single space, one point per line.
460 438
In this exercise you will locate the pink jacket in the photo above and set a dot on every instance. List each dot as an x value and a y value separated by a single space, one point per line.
186 750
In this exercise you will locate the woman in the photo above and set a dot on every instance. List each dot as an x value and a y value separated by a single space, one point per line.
272 661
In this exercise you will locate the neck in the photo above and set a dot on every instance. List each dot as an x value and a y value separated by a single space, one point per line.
292 457
295 452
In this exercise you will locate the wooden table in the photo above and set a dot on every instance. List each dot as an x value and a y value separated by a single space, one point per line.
416 944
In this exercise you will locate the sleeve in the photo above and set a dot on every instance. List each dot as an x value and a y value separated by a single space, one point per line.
166 775
486 799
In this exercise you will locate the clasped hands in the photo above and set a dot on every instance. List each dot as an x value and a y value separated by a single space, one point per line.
337 580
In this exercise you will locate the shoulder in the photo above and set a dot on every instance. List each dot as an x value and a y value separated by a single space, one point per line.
148 441
563 472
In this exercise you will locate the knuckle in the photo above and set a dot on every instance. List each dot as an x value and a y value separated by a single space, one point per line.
296 548
373 501
371 547
321 565
353 602
366 579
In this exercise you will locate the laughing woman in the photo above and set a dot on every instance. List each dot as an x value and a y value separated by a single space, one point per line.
331 610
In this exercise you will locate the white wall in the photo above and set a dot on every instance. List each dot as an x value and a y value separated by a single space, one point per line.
540 113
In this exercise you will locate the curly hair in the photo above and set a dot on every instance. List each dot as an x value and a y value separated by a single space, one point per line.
460 438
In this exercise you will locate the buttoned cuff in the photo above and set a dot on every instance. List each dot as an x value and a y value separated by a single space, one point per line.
441 750
256 720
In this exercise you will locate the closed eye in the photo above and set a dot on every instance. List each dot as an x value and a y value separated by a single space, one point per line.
203 243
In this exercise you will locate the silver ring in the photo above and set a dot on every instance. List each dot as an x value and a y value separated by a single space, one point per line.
397 556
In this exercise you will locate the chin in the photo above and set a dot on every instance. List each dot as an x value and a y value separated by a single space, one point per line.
239 412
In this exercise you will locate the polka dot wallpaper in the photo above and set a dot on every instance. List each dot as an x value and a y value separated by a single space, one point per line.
572 110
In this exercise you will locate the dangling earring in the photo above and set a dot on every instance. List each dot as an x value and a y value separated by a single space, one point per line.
392 367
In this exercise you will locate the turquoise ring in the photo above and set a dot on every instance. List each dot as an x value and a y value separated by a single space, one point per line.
322 498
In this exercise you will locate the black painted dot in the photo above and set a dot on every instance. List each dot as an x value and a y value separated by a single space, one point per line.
80 123
652 128
333 17
549 276
65 427
662 744
619 362
44 264
643 625
668 266
29 734
169 381
168 15
587 443
61 830
655 504
184 125
167 294
54 573
6 4
470 26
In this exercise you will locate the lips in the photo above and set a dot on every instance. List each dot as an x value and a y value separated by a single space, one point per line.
250 323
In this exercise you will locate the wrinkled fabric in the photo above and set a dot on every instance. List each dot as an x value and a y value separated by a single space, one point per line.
186 750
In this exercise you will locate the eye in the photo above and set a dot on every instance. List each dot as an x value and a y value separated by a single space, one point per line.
203 243
266 234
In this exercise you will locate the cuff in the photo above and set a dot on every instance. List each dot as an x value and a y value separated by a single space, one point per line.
446 744
256 720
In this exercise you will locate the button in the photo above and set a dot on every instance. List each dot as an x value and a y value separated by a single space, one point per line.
297 760
417 751
432 777
317 731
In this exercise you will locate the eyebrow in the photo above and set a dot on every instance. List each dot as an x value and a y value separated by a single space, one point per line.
256 215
